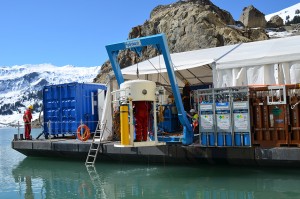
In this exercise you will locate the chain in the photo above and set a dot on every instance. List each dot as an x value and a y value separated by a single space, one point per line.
293 106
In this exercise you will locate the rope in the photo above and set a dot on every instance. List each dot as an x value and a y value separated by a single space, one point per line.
157 70
10 124
137 71
159 80
293 106
70 121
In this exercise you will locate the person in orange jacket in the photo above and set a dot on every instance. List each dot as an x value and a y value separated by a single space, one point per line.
27 121
195 117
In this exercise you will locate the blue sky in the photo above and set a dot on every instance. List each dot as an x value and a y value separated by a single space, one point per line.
75 32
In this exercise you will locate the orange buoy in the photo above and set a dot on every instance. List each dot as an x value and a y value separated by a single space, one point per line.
86 133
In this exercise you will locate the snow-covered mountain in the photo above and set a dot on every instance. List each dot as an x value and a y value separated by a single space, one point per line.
21 86
286 14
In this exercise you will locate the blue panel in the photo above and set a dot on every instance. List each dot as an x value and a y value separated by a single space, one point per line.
203 139
237 139
66 105
241 139
171 122
207 139
211 137
246 139
228 139
220 140
224 139
169 138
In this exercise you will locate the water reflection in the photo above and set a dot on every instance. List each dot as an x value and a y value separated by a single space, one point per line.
61 179
28 193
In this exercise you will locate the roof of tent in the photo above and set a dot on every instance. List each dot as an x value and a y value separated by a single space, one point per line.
262 52
194 65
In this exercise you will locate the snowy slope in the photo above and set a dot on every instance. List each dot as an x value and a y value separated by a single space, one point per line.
22 85
290 11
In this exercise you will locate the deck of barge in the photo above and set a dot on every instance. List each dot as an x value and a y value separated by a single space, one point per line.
167 154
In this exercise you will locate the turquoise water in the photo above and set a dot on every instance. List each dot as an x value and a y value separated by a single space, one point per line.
28 177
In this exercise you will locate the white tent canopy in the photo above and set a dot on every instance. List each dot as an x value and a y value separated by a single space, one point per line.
262 52
275 61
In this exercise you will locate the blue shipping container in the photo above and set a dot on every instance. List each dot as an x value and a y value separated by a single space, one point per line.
67 105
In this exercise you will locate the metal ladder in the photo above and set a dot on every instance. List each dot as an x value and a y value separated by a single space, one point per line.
96 181
94 147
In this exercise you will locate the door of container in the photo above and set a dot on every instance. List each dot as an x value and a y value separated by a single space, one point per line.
205 99
207 126
51 109
241 116
88 105
223 117
241 121
72 90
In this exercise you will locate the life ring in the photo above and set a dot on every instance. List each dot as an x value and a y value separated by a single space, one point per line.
86 133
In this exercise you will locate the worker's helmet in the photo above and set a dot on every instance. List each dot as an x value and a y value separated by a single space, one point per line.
192 111
30 107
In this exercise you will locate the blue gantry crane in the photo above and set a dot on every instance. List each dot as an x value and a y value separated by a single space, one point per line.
160 43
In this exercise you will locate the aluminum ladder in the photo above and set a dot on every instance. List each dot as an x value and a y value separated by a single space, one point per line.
94 147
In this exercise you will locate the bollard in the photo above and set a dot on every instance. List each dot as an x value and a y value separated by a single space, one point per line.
49 130
124 125
15 137
18 129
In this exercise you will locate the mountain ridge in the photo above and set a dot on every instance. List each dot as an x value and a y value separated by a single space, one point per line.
22 85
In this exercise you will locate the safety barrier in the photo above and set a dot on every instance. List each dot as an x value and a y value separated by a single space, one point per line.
269 116
206 117
241 116
224 117
265 116
64 128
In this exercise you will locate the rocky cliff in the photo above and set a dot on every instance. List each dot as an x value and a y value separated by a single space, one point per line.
188 25
251 17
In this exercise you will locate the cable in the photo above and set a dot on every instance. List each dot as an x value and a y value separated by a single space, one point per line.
157 70
137 71
41 123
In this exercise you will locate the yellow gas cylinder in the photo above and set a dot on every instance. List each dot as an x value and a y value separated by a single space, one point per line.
124 125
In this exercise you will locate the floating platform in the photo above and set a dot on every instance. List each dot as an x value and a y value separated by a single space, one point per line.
167 154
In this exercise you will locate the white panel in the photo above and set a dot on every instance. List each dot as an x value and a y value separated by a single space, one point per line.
295 73
255 75
269 74
101 98
285 70
223 78
106 115
239 77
